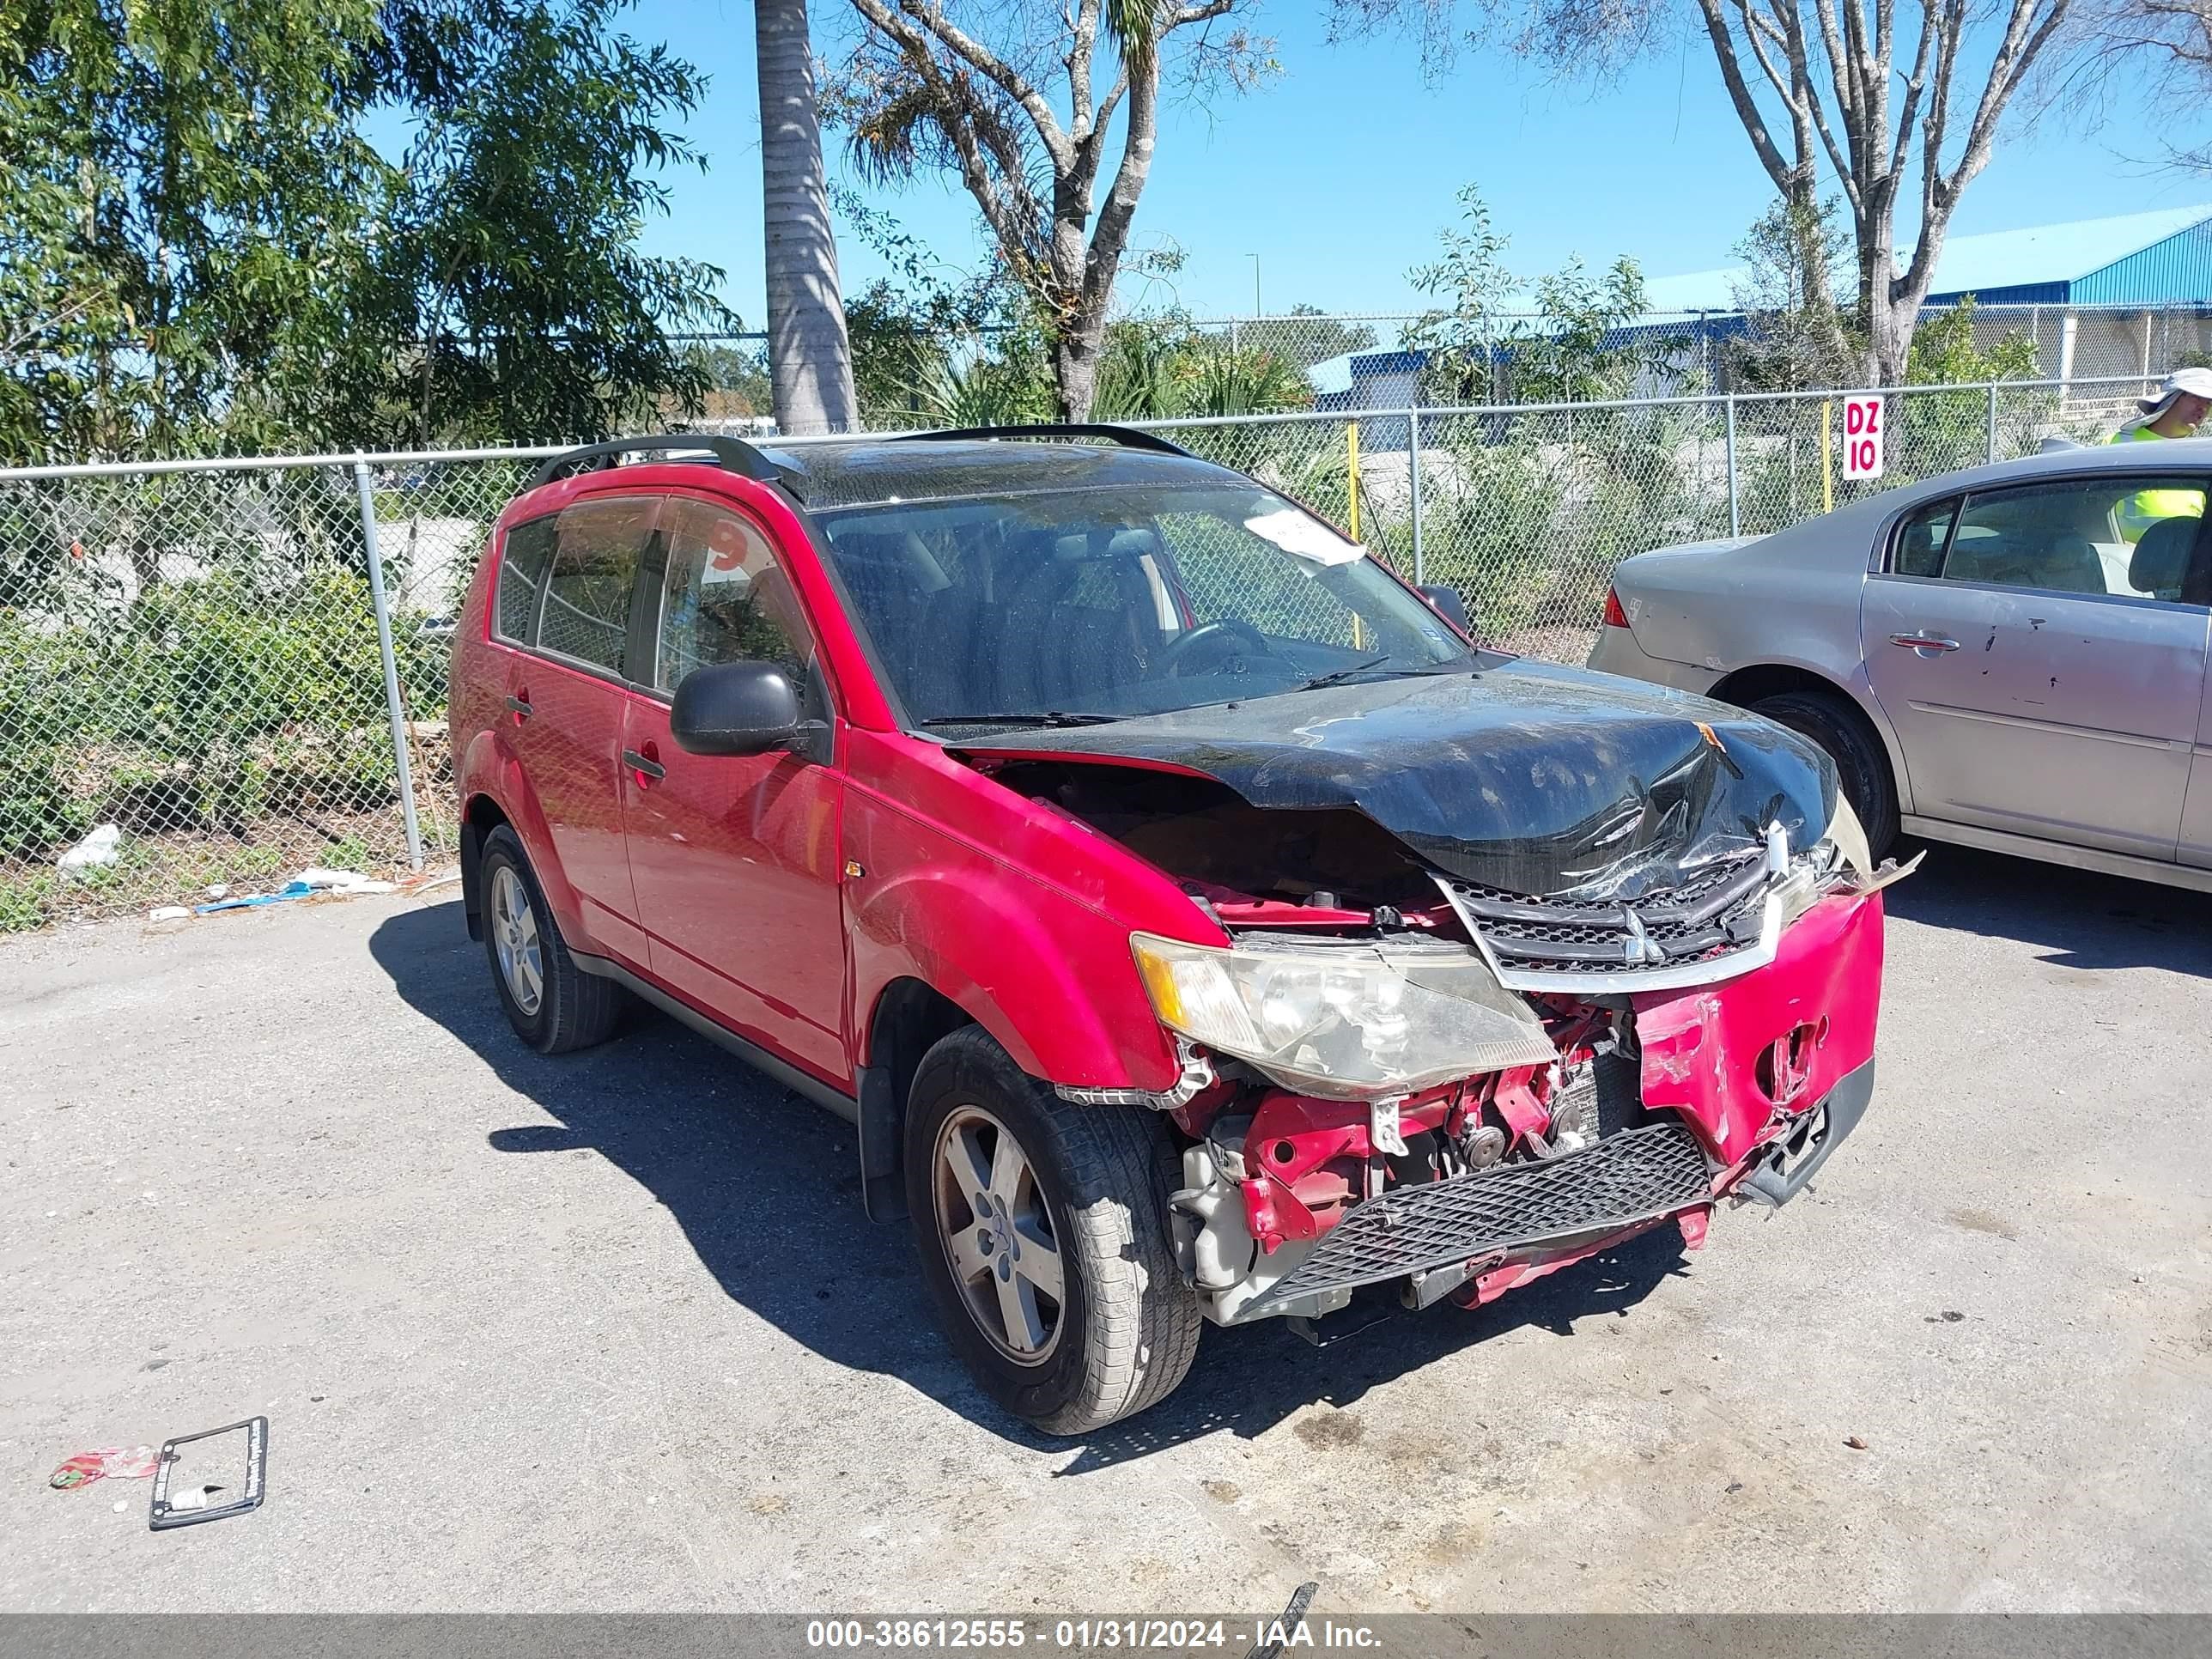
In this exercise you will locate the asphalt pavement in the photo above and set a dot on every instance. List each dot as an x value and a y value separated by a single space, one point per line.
609 1331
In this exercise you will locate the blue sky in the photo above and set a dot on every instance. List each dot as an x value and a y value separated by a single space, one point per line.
1340 173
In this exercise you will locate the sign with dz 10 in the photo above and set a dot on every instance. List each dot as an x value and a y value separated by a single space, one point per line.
1862 423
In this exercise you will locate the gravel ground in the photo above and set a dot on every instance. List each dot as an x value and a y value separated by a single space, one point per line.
608 1331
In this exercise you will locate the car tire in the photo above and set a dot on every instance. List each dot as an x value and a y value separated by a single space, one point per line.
553 1005
1084 1187
1861 767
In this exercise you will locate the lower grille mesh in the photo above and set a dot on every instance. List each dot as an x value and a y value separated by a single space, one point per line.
1626 1178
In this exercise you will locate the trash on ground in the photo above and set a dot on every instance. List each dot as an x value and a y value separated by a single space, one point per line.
170 913
1855 1443
120 1462
340 881
296 890
199 1498
96 850
218 889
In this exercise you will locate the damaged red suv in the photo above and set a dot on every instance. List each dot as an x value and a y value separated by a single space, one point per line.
1195 924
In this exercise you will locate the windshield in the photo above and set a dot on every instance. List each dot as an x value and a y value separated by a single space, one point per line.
1121 601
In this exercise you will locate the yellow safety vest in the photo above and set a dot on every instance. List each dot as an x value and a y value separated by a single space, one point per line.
2145 508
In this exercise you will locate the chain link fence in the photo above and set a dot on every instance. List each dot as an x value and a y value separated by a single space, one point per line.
213 675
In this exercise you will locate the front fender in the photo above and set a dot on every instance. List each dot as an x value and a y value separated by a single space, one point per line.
1050 978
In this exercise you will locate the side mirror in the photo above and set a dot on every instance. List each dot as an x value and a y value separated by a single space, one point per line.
1447 601
738 708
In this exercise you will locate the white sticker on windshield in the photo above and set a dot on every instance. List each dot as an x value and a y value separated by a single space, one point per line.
1308 539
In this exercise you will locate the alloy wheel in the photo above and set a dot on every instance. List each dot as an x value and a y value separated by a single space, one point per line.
514 936
998 1236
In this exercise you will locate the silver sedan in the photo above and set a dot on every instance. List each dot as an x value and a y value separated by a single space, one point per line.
2011 657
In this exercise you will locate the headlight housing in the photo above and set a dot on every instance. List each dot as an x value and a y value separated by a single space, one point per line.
1343 1019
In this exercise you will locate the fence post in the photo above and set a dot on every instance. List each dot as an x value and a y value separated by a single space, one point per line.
391 664
1414 479
1993 419
1352 463
1736 511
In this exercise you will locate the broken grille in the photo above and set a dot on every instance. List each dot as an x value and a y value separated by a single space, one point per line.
1636 1176
1717 913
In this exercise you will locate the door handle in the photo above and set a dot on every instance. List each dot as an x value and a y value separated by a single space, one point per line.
644 765
520 707
1923 642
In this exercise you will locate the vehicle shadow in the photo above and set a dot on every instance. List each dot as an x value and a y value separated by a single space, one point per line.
2087 920
695 1128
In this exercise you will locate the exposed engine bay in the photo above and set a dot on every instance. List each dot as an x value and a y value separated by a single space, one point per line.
1398 1072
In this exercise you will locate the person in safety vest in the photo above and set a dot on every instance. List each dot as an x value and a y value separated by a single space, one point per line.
2183 400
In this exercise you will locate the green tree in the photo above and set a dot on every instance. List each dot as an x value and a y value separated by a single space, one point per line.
183 181
200 251
1480 344
501 293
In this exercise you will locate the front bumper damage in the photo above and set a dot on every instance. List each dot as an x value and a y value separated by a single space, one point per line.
1746 1087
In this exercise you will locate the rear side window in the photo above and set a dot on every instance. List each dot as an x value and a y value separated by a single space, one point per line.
595 564
522 577
725 597
1921 538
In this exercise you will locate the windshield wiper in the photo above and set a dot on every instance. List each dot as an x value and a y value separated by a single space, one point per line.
1341 674
1020 719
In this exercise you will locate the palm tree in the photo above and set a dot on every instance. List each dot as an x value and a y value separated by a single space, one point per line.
810 357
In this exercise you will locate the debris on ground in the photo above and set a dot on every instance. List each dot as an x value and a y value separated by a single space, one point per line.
296 890
108 1462
1855 1443
340 881
96 851
169 913
218 889
203 1500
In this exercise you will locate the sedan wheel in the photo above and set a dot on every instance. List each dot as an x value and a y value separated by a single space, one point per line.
997 1236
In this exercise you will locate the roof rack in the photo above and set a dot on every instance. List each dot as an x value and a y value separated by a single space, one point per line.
1128 437
731 454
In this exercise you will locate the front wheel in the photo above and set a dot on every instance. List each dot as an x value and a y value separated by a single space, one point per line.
1043 1232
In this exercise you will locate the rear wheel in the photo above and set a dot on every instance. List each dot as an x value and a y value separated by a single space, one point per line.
1861 767
553 1005
1043 1232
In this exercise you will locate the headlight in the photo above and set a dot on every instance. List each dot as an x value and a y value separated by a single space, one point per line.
1343 1019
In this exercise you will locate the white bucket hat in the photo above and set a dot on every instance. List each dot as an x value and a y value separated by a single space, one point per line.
2183 382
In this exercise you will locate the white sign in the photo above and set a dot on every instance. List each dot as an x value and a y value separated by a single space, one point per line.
1862 424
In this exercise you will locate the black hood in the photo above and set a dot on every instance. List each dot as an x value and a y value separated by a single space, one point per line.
1526 776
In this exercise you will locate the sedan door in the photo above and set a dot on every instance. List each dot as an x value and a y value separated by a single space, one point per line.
2041 673
737 859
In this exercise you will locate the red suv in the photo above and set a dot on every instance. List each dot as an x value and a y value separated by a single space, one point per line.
1193 923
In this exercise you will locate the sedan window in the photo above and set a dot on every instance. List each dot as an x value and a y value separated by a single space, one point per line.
2115 536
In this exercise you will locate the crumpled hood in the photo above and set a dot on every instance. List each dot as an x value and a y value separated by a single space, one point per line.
1526 776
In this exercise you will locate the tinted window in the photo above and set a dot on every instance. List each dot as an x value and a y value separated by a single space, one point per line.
522 576
1227 573
602 542
2103 536
725 597
1921 539
1119 600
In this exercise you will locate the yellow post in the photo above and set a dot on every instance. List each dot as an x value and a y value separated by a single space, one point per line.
1827 461
1351 457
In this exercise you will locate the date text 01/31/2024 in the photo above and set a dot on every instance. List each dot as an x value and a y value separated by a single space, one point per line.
1088 1635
